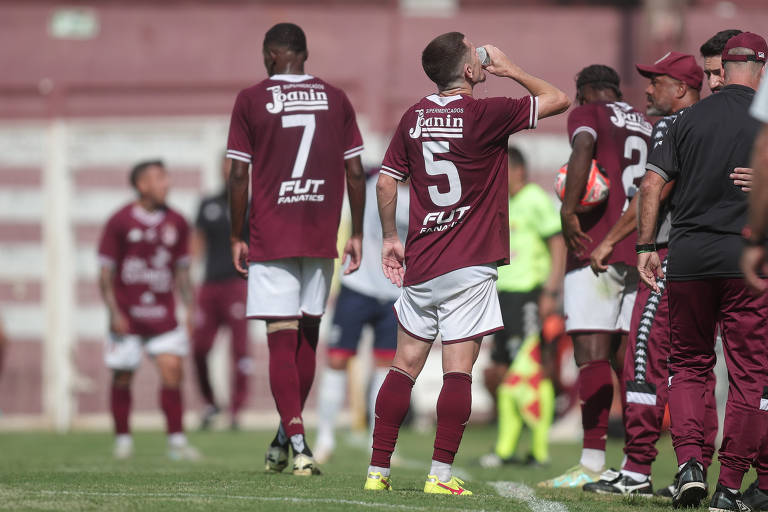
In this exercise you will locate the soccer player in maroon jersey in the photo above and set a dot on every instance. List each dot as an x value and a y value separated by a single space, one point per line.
144 255
598 307
453 150
300 134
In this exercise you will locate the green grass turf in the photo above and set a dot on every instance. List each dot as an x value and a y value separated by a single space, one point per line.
41 471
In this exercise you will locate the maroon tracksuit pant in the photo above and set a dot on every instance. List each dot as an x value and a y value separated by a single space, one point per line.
646 374
697 308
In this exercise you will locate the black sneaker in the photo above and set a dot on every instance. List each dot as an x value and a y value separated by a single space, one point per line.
209 415
668 491
755 498
690 489
613 482
724 501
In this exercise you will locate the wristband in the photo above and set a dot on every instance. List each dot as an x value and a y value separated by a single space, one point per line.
643 248
749 238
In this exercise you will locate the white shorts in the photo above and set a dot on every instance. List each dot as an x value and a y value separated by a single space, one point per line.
460 306
601 303
124 352
288 288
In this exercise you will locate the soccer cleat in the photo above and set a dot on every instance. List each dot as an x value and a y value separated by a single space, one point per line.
668 491
690 489
755 498
304 465
454 486
209 415
724 501
577 476
276 459
123 448
613 482
183 452
377 482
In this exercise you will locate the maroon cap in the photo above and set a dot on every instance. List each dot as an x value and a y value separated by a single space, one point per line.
679 66
746 40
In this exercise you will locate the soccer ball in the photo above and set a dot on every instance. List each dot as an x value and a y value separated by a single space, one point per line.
598 185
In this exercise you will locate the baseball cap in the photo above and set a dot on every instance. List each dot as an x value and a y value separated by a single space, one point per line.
679 66
746 40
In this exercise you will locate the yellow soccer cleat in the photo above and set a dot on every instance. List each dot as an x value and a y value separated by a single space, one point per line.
453 486
574 478
377 482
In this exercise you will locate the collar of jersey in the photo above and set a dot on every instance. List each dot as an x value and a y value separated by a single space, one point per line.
148 218
443 100
291 78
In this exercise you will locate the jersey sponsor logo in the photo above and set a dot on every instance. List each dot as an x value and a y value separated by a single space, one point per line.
442 221
624 117
135 235
445 126
292 101
170 235
158 277
299 191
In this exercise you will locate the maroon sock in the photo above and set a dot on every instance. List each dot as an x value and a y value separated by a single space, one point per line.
170 401
453 408
596 395
201 367
309 332
284 379
121 408
391 407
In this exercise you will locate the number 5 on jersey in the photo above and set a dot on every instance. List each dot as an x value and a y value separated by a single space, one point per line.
442 219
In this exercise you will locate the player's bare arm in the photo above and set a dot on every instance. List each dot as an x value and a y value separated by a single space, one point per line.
648 263
552 101
392 251
553 288
578 174
353 250
238 205
118 323
187 293
753 258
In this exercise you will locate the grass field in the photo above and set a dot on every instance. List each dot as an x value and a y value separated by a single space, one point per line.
41 471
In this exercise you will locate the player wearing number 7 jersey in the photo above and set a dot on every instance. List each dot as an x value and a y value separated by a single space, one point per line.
300 134
453 150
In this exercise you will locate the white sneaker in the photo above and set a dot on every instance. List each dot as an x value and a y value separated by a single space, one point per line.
185 452
123 447
276 459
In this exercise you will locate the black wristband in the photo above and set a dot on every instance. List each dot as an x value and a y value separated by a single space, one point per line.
642 248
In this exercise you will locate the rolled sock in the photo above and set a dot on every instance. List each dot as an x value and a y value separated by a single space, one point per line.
378 469
391 407
637 477
593 460
330 399
441 470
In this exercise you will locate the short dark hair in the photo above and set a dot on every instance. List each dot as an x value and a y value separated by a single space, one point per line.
140 167
442 58
288 35
516 158
599 77
716 44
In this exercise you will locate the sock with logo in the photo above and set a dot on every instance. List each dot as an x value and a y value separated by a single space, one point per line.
453 408
284 379
596 394
309 333
391 407
120 402
299 445
170 402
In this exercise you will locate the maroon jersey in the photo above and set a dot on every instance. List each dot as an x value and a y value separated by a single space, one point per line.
144 248
622 135
296 130
454 150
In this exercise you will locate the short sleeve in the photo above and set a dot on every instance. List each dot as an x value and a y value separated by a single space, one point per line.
663 159
498 118
109 243
395 162
181 249
239 143
353 141
759 108
582 119
548 217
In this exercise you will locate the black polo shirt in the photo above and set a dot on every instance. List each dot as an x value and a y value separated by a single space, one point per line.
701 149
213 222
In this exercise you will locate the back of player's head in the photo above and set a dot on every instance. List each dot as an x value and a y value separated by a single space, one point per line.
444 57
140 168
286 35
714 46
599 77
516 158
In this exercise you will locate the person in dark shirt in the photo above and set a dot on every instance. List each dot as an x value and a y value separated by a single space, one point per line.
221 302
704 282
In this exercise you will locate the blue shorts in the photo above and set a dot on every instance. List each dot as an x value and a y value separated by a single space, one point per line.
353 312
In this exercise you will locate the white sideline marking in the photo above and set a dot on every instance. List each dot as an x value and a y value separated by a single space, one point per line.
524 493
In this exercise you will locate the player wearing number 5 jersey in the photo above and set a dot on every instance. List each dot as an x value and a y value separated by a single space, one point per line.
453 150
598 307
300 134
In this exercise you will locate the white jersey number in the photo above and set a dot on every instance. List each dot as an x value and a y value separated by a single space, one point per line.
308 122
437 167
636 171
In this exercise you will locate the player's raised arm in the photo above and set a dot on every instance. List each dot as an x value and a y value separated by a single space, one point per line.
552 101
392 252
238 205
356 193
